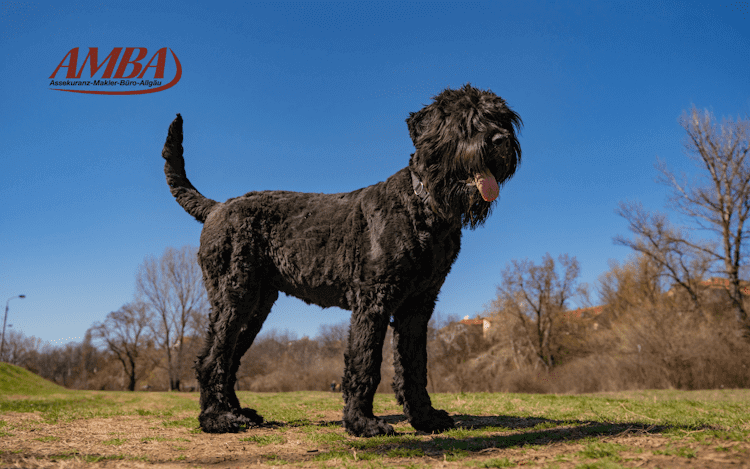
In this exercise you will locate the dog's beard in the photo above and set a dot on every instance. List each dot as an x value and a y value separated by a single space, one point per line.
471 210
458 200
459 196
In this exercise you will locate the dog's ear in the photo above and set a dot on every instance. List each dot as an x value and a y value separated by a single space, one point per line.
416 123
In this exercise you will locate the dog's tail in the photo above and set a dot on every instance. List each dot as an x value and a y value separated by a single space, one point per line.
187 196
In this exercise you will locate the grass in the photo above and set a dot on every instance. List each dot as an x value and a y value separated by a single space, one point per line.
18 381
497 462
494 430
602 450
189 422
264 440
405 453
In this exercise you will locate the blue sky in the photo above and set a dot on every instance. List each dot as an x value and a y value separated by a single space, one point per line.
312 97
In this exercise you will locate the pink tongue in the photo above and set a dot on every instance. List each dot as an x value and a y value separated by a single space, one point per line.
487 186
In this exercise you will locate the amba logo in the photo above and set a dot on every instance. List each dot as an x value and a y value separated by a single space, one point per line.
133 83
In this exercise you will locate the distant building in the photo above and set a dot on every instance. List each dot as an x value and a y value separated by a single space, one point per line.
484 323
716 284
584 313
588 315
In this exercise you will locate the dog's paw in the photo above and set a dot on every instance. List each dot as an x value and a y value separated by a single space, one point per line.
251 417
368 427
223 422
434 422
229 422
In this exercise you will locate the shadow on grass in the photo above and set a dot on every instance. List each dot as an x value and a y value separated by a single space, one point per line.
477 433
517 431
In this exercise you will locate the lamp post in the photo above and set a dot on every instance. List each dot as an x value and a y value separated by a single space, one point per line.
2 344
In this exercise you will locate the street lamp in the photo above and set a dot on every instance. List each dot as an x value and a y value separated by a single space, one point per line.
2 344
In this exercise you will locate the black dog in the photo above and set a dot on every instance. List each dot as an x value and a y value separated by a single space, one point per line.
382 252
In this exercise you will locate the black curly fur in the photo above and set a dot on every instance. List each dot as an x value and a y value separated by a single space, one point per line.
382 252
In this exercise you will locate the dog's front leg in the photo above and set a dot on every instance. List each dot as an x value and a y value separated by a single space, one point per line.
410 365
362 373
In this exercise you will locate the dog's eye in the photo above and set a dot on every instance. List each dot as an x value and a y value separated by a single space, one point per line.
498 139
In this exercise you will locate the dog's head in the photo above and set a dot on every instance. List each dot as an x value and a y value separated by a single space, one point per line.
466 148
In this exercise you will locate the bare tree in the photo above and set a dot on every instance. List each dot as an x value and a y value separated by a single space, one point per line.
634 286
172 288
124 334
535 295
333 337
18 347
720 203
512 345
452 353
682 261
88 358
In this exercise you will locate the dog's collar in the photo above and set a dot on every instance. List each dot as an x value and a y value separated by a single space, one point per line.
419 189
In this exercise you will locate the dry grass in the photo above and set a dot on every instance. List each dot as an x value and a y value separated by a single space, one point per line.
643 429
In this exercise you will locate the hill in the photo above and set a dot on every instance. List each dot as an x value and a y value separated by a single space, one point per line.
17 380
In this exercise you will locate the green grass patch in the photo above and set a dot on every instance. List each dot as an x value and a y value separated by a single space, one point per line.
264 440
600 465
456 455
96 404
602 450
324 438
683 452
405 453
332 455
382 440
15 380
685 409
188 422
114 441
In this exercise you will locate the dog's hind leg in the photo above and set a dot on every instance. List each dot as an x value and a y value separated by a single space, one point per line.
244 341
212 370
362 372
237 315
410 365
